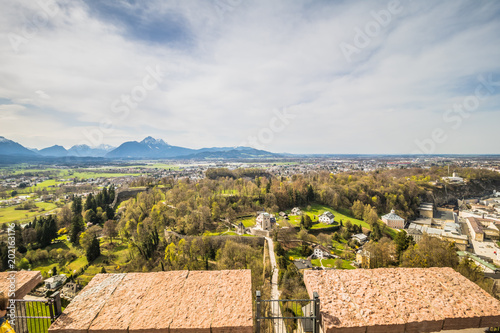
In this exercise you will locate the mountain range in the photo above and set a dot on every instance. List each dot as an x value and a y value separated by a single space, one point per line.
149 148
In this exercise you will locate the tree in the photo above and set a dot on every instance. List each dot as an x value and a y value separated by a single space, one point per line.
430 252
94 250
382 253
64 216
403 241
77 226
268 185
76 206
372 217
310 194
307 221
376 233
54 271
358 209
109 230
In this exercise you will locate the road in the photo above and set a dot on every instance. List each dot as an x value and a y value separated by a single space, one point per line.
279 325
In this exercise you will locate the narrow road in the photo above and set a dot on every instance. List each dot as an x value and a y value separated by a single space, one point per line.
279 325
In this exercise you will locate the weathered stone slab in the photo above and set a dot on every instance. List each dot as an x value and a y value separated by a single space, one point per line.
169 302
160 304
119 311
401 300
80 313
232 310
24 282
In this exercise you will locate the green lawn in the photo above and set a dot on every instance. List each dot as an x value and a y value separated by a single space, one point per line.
77 264
9 214
294 253
317 210
330 263
247 221
49 185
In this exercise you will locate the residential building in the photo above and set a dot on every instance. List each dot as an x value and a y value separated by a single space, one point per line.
452 232
265 221
481 228
55 281
393 220
455 179
303 264
415 234
296 211
361 238
320 251
327 218
363 258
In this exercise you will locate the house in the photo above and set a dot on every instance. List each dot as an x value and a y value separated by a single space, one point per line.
452 233
303 264
416 234
393 220
55 281
455 179
327 218
283 215
363 258
481 228
320 251
361 238
265 221
296 211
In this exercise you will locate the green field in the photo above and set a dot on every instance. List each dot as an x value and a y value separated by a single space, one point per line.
9 214
247 221
316 210
294 253
330 263
49 185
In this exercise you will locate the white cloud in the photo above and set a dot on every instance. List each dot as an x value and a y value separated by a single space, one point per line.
228 67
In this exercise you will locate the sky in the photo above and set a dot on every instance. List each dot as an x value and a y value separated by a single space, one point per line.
336 77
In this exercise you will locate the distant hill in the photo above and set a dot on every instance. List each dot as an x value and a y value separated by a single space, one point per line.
55 151
84 150
230 153
157 148
148 148
11 148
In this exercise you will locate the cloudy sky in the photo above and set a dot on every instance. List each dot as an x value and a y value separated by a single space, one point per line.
285 76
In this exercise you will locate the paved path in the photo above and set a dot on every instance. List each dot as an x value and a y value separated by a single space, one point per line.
279 325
